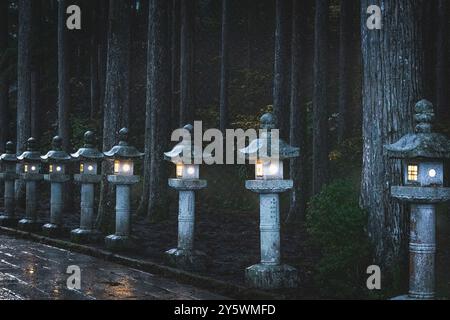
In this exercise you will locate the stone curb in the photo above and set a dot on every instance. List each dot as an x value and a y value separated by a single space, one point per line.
216 286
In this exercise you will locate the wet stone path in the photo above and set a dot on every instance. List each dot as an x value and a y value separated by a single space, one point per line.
30 270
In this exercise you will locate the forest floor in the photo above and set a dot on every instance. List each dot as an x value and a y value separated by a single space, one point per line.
229 238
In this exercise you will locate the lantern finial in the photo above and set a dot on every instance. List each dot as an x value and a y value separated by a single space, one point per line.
267 121
123 137
31 144
57 143
424 116
89 139
10 147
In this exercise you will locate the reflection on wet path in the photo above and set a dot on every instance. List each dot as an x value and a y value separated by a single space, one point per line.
30 270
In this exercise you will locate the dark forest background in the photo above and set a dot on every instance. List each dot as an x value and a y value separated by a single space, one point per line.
335 86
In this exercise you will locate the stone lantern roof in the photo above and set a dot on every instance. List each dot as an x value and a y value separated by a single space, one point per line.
262 147
122 150
56 155
31 154
186 149
423 144
10 153
88 151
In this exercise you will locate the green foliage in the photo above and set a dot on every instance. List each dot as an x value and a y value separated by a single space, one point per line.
337 225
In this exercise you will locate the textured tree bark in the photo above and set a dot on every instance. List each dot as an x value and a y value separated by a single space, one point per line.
442 61
298 110
320 110
392 84
347 31
24 75
224 73
158 102
116 102
281 69
4 83
187 61
23 126
63 77
35 119
94 63
175 69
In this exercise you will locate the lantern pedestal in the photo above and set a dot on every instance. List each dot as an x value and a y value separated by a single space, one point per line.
86 232
184 256
55 227
422 245
29 223
8 217
121 239
270 273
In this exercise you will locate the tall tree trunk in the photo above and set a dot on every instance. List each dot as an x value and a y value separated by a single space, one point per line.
116 105
442 61
224 72
23 84
320 112
94 63
102 38
158 102
347 28
63 77
187 61
298 111
35 112
281 70
24 75
175 67
4 84
392 84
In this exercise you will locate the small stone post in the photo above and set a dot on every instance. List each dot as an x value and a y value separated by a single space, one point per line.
89 157
31 160
123 178
187 157
422 154
57 158
9 176
268 152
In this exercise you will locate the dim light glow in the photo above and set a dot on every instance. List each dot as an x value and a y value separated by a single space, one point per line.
90 168
273 168
432 173
116 166
50 168
33 168
25 168
259 168
126 167
413 172
81 167
179 169
58 169
191 171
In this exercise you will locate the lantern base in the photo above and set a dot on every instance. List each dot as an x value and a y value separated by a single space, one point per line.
264 276
82 236
8 221
119 243
408 297
52 230
187 259
28 225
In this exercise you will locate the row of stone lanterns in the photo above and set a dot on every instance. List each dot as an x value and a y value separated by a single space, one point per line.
57 160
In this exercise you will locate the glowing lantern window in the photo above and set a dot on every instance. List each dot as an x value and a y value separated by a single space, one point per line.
413 172
123 167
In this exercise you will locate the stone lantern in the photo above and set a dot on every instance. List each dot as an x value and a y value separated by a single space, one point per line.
31 167
9 176
57 160
268 153
423 154
186 157
123 156
89 157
